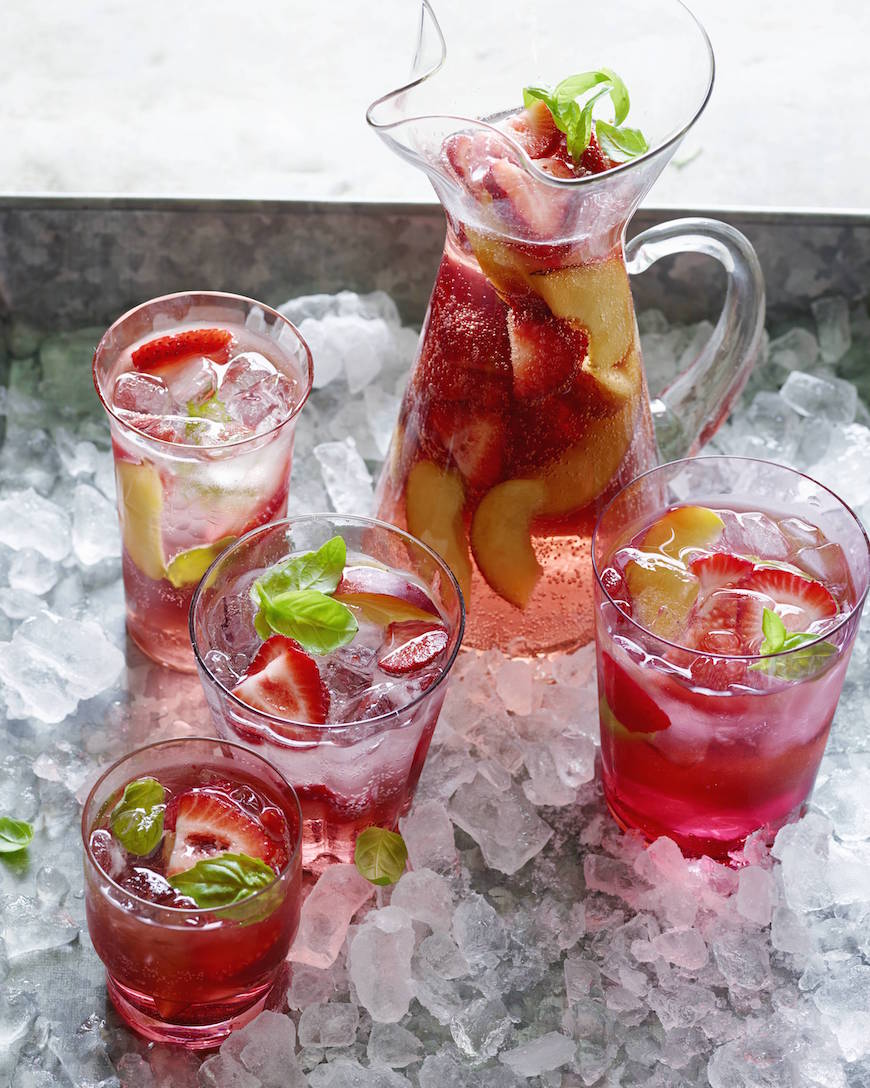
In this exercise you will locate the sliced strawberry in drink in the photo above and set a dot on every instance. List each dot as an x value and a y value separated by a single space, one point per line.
524 202
204 821
632 707
720 570
284 681
556 167
170 350
469 156
534 129
411 646
544 353
475 441
728 621
800 602
593 160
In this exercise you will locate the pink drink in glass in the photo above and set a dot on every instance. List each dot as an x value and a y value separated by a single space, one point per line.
710 728
202 392
351 726
177 972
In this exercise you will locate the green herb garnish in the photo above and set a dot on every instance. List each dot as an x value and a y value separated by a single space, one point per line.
137 819
293 599
572 106
778 640
15 835
223 880
380 855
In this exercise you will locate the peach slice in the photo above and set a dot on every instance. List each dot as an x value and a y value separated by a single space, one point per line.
434 498
501 538
585 469
662 593
383 596
683 528
140 508
599 297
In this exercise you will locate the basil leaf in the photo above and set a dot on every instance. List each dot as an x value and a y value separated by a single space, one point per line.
320 570
618 96
319 623
223 880
15 835
380 855
137 819
620 144
774 632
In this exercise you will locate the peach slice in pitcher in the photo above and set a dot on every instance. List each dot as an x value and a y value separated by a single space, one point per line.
434 498
501 538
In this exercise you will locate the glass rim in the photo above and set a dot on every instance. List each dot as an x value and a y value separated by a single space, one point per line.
328 727
822 637
385 128
168 444
187 912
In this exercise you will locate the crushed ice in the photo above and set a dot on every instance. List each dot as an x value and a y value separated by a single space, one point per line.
531 943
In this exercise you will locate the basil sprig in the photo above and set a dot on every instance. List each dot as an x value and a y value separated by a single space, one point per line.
293 599
778 640
137 819
380 855
15 835
572 106
223 880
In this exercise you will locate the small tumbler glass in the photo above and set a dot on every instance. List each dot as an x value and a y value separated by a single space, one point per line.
179 504
349 775
707 748
190 976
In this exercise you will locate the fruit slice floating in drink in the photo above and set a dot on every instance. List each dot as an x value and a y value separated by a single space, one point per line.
527 406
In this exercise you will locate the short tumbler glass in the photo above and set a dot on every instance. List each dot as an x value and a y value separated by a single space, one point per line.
176 499
709 767
349 775
190 976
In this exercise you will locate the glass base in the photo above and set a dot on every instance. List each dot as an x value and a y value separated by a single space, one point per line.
717 843
140 1013
165 650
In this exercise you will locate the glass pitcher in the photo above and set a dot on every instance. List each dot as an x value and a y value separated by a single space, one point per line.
527 407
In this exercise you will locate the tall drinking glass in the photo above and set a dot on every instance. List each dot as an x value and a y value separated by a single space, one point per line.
202 391
727 598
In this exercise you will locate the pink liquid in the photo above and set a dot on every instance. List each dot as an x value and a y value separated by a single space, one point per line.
704 749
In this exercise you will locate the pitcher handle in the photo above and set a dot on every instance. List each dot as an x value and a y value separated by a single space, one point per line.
694 405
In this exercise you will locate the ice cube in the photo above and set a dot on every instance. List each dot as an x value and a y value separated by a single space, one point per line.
29 926
479 932
681 947
52 663
17 604
743 959
539 1055
844 999
95 534
347 1073
755 895
51 886
788 932
27 520
382 408
481 1029
393 1045
347 480
832 325
830 399
842 797
845 463
514 682
309 985
326 914
32 572
504 824
546 786
190 385
329 1025
802 849
379 963
426 897
142 394
77 458
796 349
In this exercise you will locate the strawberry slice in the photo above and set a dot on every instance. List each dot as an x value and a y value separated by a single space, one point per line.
720 570
593 159
544 353
729 621
534 129
411 646
205 821
632 707
523 201
476 443
170 350
799 601
556 167
283 680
